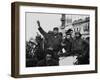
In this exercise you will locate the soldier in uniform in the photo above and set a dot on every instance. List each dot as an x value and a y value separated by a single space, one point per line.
38 51
67 44
80 48
52 39
48 60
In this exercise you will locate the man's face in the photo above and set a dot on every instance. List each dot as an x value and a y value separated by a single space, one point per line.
48 57
68 36
77 35
55 31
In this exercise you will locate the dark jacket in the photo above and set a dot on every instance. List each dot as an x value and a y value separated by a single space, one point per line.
84 58
77 45
68 45
51 40
81 47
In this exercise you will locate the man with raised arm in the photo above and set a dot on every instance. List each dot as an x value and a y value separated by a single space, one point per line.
52 39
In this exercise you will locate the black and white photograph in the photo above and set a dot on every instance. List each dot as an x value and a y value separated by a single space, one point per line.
57 39
51 39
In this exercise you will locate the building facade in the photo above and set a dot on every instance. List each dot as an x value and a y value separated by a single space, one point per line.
82 26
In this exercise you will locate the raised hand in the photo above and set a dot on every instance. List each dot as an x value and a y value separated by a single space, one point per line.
38 22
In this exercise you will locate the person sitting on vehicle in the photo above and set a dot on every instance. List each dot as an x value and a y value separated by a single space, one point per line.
48 60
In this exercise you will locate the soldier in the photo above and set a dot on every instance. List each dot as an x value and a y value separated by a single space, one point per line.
31 59
80 48
48 60
84 59
52 39
38 51
67 44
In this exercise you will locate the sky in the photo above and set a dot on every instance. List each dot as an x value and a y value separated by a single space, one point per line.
47 21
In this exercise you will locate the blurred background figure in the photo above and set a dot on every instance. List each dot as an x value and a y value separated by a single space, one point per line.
67 42
31 60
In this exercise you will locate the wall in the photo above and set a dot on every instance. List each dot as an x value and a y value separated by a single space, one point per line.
5 40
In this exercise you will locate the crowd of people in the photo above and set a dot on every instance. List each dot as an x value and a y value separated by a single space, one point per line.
47 49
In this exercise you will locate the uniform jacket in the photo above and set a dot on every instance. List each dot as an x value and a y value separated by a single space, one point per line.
51 40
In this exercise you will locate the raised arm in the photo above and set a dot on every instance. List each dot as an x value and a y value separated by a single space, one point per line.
41 30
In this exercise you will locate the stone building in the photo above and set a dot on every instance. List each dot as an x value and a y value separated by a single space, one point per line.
82 26
76 23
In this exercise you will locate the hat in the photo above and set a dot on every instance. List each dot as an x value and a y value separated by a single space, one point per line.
68 32
55 28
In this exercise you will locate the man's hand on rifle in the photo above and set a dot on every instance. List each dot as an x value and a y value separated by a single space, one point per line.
38 22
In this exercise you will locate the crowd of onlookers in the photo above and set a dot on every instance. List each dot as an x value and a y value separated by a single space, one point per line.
46 50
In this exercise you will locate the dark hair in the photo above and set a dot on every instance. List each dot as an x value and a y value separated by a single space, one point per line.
55 28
